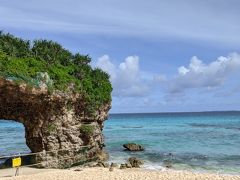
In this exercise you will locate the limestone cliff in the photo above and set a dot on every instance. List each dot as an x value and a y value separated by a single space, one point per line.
56 122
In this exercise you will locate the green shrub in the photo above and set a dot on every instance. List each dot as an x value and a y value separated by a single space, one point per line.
22 62
87 129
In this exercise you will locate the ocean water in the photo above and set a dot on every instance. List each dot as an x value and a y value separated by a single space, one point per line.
12 138
190 141
207 141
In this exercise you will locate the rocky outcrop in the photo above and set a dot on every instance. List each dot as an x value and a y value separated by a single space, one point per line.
57 125
135 162
133 147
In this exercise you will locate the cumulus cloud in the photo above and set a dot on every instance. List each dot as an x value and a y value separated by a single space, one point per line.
197 78
106 65
200 75
200 79
126 77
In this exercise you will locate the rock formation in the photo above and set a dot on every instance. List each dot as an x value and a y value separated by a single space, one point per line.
133 147
135 162
57 124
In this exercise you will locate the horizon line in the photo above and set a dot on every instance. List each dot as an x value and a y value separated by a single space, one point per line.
175 112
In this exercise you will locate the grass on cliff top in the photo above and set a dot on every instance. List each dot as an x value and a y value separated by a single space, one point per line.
22 61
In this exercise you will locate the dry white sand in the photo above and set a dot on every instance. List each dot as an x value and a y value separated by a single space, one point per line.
117 174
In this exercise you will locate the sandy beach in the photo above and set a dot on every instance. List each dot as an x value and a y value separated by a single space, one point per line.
117 174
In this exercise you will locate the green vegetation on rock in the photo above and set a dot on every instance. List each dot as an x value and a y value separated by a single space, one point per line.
87 129
51 128
44 61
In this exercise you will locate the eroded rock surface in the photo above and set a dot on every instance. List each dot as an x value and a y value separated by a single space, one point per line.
56 122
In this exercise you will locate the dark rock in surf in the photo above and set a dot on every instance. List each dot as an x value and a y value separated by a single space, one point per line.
135 162
133 147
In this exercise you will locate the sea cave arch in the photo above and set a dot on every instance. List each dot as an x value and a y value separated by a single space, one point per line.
54 123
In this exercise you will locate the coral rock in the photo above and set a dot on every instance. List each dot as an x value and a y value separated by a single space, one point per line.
53 123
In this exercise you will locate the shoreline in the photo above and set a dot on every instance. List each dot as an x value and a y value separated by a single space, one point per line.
198 170
98 173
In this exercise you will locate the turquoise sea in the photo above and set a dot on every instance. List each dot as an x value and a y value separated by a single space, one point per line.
207 141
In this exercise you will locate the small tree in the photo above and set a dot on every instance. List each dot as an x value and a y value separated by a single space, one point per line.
14 46
80 60
51 52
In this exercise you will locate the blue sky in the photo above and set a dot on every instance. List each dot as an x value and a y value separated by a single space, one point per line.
163 56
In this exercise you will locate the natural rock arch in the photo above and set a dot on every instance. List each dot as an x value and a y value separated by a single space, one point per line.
54 122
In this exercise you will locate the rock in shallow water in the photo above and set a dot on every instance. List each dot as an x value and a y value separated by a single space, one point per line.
135 162
133 147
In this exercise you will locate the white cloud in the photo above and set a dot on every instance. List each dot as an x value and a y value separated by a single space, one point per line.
182 70
129 80
126 77
202 81
106 65
201 75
